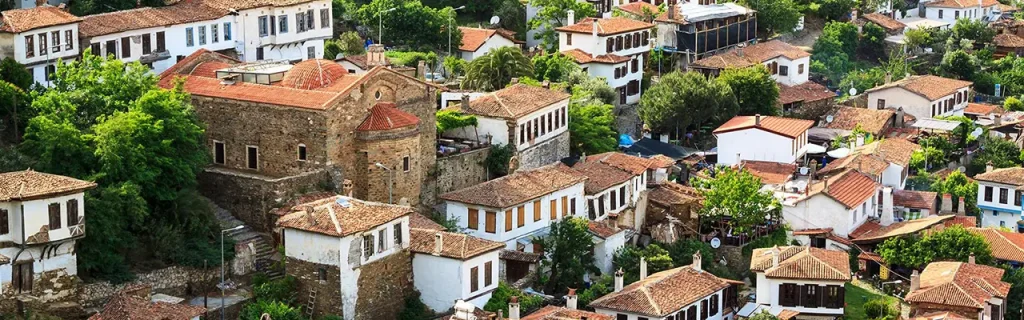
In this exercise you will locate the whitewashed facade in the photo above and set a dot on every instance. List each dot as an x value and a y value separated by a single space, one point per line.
761 138
43 44
950 11
999 197
292 32
161 47
922 96
609 48
443 280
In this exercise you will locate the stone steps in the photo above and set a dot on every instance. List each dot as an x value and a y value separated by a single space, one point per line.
262 248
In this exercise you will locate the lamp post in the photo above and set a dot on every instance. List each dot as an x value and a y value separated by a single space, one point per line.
391 199
222 284
380 21
451 17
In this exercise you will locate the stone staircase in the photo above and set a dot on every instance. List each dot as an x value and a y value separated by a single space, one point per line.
265 257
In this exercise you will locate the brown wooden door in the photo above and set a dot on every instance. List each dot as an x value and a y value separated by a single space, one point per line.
22 277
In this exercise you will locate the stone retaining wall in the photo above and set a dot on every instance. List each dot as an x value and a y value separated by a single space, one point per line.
462 170
175 281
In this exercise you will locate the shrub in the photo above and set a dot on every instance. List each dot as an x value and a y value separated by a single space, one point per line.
276 309
880 309
282 290
500 297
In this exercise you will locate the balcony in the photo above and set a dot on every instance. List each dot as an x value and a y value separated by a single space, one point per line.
155 56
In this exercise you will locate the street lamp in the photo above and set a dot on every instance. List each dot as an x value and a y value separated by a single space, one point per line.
223 284
451 17
390 174
380 32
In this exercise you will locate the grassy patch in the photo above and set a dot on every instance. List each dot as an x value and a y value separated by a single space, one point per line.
856 297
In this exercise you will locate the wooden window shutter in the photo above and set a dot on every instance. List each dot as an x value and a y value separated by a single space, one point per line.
536 210
508 220
474 283
491 218
521 215
487 274
554 209
474 219
565 206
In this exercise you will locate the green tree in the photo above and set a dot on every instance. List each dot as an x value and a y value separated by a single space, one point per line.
833 10
863 79
570 256
959 64
1000 153
872 42
960 187
756 92
779 16
736 194
510 14
15 73
12 110
681 100
1013 104
501 296
881 309
415 309
454 66
627 259
925 158
555 67
845 33
413 24
764 315
917 37
348 43
551 14
954 243
495 69
592 129
276 309
332 48
1015 277
976 30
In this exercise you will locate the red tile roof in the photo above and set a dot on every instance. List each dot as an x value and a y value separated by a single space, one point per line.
928 86
600 176
1008 40
632 164
982 109
637 8
865 163
517 188
514 101
142 18
663 293
419 221
1012 176
333 218
453 245
915 199
806 92
582 57
474 38
787 127
959 284
21 20
606 26
127 305
961 3
671 193
248 4
871 121
562 313
812 232
385 116
604 229
1006 245
878 233
751 55
209 69
884 21
893 150
801 263
313 74
769 172
28 185
849 187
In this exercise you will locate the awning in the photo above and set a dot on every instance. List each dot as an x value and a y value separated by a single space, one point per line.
839 153
936 124
811 149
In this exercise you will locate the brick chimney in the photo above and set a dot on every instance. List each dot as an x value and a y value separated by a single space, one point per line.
970 259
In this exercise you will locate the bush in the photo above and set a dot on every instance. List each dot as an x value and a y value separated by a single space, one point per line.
282 290
276 309
415 309
500 297
776 238
880 309
410 58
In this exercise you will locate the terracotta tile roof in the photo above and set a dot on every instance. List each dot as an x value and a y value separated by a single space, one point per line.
941 315
788 127
188 65
142 18
519 256
884 21
812 232
29 184
1011 176
963 221
330 217
982 109
632 164
514 101
453 245
663 293
313 74
849 187
604 229
606 26
806 92
517 188
670 193
928 86
915 199
209 69
870 226
769 172
961 3
385 116
243 91
1006 8
871 256
419 221
880 233
867 164
125 305
659 160
637 8
788 314
871 121
959 284
600 176
584 58
474 38
1006 245
751 55
563 313
249 4
893 150
21 20
1008 40
802 263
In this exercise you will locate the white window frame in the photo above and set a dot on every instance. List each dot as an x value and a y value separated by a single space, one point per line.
223 146
299 152
247 147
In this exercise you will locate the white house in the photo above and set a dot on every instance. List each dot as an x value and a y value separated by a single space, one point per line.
450 266
912 204
160 37
608 238
952 10
999 196
614 182
788 64
42 216
686 292
279 30
841 202
518 206
887 161
807 280
972 290
923 97
534 119
611 48
763 138
478 41
38 38
334 244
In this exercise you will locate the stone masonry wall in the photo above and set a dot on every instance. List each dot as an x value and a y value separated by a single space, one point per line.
389 149
328 299
545 153
176 281
250 198
462 170
383 285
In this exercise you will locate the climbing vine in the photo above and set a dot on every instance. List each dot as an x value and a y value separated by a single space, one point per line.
451 119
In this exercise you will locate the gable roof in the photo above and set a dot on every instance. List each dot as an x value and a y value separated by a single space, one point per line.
637 8
663 293
982 109
752 55
929 86
606 26
582 57
1006 245
802 263
670 193
959 284
29 185
787 127
893 150
247 4
878 233
961 3
518 187
769 172
126 305
385 116
341 216
513 102
552 312
604 229
1012 176
849 187
21 20
142 18
629 163
884 21
474 38
914 199
807 92
871 121
1008 40
453 245
600 176
865 163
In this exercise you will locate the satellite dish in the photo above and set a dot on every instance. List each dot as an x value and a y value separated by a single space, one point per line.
853 91
977 132
961 169
495 19
829 119
715 242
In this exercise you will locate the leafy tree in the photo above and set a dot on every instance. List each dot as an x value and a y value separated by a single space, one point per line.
764 315
454 66
756 92
917 37
551 14
570 256
1013 104
845 33
1015 277
973 29
497 159
495 69
1010 71
90 7
510 14
775 16
276 309
953 243
960 187
681 100
15 73
332 48
881 309
999 152
925 158
602 286
872 42
415 309
592 129
833 10
628 260
863 79
12 109
501 296
736 194
589 88
959 64
348 43
555 67
412 24
682 251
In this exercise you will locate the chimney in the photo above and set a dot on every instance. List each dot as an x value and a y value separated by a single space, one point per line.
618 280
375 56
825 181
309 215
571 299
887 207
989 167
970 259
997 120
860 140
739 50
960 207
775 256
947 203
597 40
515 80
888 77
899 117
671 10
915 281
465 101
570 18
513 308
421 69
346 188
546 84
757 119
438 243
697 263
643 268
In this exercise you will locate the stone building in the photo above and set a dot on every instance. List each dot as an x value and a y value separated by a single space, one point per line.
970 289
276 129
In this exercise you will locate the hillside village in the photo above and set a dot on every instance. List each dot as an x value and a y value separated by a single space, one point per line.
589 159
